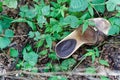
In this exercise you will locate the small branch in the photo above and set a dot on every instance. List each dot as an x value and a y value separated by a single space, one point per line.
102 72
20 36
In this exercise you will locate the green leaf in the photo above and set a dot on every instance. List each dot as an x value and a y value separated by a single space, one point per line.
104 78
4 42
44 52
37 36
1 4
13 52
49 40
112 5
30 57
9 33
104 62
46 10
114 29
93 58
90 9
19 20
28 12
85 26
97 52
90 52
39 43
52 56
67 64
56 28
97 5
5 22
57 78
72 20
41 20
31 34
1 29
32 25
115 26
85 16
78 5
10 3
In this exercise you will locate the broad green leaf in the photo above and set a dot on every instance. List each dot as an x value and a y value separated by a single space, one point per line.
4 42
31 34
85 26
56 28
28 12
5 22
37 36
53 21
115 25
103 62
114 29
112 4
53 56
41 20
78 5
19 20
1 4
10 3
13 52
39 43
9 33
118 8
44 52
90 9
67 64
85 16
32 25
28 48
30 57
72 20
56 36
117 14
46 10
97 5
49 40
115 21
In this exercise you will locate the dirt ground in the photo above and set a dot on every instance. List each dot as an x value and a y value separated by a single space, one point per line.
109 50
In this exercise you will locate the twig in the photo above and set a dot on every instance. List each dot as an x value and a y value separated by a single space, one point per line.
20 36
102 72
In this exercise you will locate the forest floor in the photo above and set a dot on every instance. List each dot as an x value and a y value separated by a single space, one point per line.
109 51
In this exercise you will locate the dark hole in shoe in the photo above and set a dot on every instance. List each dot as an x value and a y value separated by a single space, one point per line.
65 48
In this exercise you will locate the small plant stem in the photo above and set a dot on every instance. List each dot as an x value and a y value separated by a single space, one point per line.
82 58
